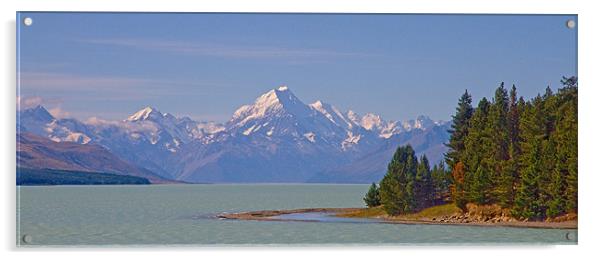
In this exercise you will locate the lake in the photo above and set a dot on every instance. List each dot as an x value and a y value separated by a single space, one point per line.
185 215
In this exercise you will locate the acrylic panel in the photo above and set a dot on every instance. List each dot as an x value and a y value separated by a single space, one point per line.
205 129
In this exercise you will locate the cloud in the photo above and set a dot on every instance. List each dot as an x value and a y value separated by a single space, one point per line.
58 112
112 88
209 117
96 121
63 81
93 87
226 51
54 106
28 102
126 126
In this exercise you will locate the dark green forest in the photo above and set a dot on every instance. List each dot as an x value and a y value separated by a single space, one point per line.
32 177
518 154
410 184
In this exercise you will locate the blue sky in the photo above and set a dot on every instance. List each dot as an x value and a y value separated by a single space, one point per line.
207 65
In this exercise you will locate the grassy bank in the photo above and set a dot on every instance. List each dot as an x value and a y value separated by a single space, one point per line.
428 213
447 214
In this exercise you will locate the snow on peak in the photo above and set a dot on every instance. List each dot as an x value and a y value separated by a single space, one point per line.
353 117
350 141
324 108
371 121
311 137
144 114
331 113
169 116
276 101
422 122
390 128
317 104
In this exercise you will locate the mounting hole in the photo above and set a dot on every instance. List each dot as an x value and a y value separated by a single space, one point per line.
570 24
570 236
26 239
28 21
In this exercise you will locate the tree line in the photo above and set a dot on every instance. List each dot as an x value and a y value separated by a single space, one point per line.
521 155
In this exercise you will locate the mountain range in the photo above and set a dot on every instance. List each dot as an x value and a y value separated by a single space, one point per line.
277 138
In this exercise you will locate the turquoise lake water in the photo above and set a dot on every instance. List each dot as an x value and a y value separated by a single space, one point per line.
185 215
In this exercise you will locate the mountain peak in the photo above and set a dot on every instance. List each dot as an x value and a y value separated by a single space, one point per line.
277 112
370 121
318 104
282 88
144 114
275 101
421 122
38 112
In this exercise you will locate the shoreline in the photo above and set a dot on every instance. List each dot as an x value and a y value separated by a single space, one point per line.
266 215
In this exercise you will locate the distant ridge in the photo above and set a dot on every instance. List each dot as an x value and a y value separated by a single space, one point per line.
36 152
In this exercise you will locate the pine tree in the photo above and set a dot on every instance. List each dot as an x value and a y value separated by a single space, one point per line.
441 180
372 198
546 186
459 129
424 184
391 194
531 130
536 148
513 117
410 170
398 187
549 112
527 203
497 152
556 205
511 177
569 82
477 143
566 126
477 191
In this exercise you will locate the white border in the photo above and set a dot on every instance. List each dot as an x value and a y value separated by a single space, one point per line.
589 111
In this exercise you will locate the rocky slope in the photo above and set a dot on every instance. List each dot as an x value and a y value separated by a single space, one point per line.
36 152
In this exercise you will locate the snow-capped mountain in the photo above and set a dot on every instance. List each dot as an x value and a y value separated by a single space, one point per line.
39 121
276 138
147 138
34 120
280 114
275 113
